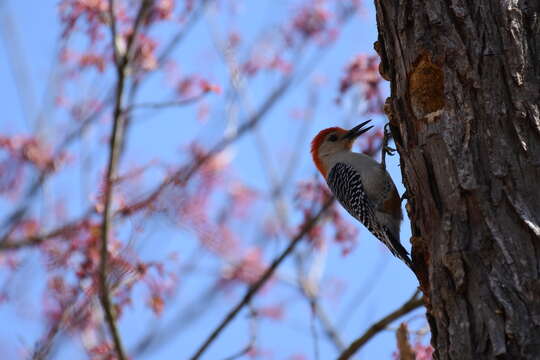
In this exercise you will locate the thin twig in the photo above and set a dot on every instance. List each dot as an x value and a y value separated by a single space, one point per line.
165 104
365 288
252 336
112 168
179 323
329 328
13 219
253 289
413 303
182 175
314 333
145 5
112 25
38 239
115 145
309 291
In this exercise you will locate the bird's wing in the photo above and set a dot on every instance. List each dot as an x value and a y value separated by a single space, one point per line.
346 184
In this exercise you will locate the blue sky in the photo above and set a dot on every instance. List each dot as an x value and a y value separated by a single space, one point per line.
369 266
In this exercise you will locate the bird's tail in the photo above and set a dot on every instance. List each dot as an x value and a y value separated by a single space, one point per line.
397 249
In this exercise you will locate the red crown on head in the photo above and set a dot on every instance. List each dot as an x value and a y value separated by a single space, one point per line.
316 143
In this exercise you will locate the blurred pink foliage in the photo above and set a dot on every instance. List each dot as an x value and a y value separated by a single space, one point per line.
421 352
199 195
312 195
364 71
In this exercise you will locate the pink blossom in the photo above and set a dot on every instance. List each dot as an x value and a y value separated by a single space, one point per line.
364 71
311 20
309 197
234 39
94 12
423 352
193 86
248 269
241 199
89 60
29 149
263 62
156 304
274 312
161 10
144 54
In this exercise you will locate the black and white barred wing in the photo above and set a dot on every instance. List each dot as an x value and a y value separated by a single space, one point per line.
346 184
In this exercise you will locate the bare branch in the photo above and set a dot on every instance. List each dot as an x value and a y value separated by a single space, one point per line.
182 175
308 289
112 167
143 10
413 303
38 239
255 287
13 219
329 328
165 104
252 336
112 26
365 288
315 336
178 324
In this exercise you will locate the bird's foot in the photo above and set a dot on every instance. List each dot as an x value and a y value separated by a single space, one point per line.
387 136
386 149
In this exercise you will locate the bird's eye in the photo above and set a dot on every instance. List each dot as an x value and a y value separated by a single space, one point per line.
332 137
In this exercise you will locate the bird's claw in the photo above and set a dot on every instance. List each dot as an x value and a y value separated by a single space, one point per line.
385 148
387 136
388 150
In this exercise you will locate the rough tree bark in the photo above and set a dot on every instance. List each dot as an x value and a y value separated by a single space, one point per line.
465 115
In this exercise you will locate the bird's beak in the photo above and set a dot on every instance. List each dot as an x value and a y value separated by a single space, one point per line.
357 131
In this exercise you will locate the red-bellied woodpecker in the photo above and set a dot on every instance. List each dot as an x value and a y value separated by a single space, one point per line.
361 185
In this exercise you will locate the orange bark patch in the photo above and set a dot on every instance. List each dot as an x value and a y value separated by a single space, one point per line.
426 87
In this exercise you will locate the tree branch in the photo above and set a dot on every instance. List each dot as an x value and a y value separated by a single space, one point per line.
413 303
308 289
252 336
112 26
328 327
253 289
165 104
112 167
38 239
182 175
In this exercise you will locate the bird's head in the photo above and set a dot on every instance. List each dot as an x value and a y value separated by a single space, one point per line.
333 140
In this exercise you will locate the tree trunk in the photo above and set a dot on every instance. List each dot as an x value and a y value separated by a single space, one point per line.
465 115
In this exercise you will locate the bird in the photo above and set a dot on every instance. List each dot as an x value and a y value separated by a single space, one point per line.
361 185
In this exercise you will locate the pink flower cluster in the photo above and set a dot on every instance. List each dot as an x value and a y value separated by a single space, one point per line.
309 197
364 71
